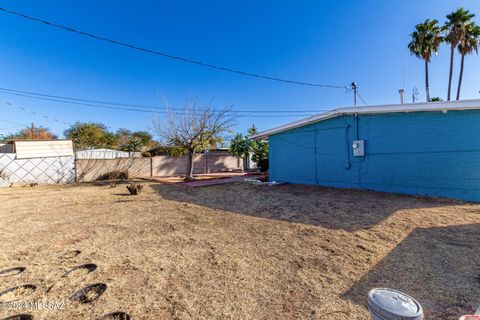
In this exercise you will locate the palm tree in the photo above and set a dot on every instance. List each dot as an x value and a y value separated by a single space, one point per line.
468 45
456 29
426 39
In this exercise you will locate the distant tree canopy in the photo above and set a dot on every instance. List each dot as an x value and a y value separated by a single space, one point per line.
167 151
92 135
133 141
40 133
145 138
243 146
240 145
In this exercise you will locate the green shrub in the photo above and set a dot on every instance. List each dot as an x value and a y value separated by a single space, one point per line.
114 175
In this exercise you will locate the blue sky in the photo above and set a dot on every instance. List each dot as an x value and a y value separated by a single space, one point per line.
332 42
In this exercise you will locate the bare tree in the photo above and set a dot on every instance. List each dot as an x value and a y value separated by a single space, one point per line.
194 129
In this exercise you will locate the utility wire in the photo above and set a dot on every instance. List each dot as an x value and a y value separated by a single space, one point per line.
159 111
36 113
13 127
358 94
167 55
166 111
123 104
13 122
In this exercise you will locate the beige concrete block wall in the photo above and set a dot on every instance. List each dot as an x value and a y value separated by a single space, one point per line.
92 169
161 166
172 166
219 163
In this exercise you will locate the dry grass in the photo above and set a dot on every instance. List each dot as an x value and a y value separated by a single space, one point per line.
237 251
181 179
18 293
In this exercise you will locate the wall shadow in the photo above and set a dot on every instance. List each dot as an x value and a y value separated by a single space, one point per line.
88 170
332 208
439 267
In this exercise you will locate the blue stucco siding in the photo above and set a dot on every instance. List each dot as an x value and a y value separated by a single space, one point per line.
423 153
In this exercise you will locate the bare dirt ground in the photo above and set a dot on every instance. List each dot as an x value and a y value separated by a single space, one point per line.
233 251
201 177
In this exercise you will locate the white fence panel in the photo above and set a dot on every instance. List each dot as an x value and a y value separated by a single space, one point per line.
38 170
43 148
101 154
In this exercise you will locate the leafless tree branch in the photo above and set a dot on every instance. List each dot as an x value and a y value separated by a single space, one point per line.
196 129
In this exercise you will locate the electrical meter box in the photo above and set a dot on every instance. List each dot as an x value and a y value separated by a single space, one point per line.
358 148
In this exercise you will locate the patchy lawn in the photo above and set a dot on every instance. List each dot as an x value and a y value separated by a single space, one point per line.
234 251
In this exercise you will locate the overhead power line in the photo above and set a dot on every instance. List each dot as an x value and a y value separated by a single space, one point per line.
13 122
170 56
158 110
129 109
358 94
13 127
155 107
36 113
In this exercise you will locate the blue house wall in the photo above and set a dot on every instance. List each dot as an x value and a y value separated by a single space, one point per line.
422 153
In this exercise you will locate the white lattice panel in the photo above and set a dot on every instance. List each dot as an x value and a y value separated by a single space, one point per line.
39 170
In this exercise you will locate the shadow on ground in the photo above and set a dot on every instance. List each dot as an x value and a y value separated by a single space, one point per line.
440 267
332 208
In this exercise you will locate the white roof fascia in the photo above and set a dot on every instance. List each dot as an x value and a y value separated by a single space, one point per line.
393 108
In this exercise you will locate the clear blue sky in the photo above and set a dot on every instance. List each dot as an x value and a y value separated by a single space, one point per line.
331 42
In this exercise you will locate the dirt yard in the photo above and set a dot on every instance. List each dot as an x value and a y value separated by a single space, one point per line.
232 252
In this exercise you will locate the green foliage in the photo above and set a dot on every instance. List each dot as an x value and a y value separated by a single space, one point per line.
260 154
109 140
470 41
177 151
166 151
92 135
146 139
456 29
459 31
242 146
40 133
436 99
134 145
426 39
468 44
133 141
456 26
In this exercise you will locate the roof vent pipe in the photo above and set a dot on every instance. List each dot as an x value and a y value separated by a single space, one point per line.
402 95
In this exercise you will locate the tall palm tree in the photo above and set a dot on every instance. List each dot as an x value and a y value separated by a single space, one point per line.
456 25
467 45
426 39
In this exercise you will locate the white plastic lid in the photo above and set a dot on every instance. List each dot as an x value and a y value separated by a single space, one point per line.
393 304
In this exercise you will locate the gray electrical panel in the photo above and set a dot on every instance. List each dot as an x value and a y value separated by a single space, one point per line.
358 148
